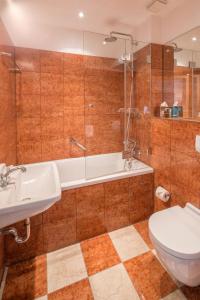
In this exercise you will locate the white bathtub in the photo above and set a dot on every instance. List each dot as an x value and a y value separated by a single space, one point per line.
79 172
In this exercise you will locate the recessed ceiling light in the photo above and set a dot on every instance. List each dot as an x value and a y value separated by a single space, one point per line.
104 43
194 39
81 14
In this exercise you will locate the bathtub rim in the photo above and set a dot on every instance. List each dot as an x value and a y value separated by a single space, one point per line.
112 177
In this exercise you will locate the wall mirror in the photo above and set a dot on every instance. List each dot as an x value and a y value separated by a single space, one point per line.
186 77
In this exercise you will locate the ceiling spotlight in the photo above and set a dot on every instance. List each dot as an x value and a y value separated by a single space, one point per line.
194 39
104 43
81 14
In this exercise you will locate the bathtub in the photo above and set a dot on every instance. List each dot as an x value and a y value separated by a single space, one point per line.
79 172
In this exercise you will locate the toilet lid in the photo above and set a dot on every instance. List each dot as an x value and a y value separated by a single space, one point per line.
177 231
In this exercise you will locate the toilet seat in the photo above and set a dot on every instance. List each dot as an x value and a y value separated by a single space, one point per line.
177 231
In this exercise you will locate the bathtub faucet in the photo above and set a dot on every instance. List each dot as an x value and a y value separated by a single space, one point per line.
75 142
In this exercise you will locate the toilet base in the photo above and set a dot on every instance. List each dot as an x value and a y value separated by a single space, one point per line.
184 270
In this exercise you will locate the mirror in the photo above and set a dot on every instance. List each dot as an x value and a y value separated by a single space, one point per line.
186 77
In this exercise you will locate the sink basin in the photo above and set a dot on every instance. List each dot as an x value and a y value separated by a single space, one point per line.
34 192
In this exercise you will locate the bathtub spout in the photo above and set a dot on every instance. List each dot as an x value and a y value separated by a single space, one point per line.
75 142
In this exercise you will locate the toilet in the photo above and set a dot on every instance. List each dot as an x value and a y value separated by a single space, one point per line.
175 234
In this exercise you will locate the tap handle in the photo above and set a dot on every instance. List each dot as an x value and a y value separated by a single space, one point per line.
12 183
3 181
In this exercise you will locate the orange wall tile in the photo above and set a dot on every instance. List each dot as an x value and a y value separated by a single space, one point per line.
140 127
57 93
162 76
185 84
172 142
90 211
116 204
8 109
141 197
176 163
7 113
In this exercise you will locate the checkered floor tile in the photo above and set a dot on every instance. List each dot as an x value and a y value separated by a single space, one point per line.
120 265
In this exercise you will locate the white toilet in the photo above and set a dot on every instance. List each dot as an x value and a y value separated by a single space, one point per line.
175 234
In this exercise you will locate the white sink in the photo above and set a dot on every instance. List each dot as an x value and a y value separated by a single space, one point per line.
34 192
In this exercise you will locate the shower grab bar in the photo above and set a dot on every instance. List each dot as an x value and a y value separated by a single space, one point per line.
2 53
16 68
75 142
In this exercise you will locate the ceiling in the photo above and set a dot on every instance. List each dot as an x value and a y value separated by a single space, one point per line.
55 24
100 15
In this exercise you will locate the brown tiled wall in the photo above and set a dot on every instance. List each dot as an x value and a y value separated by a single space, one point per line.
7 112
142 89
156 77
61 95
142 76
183 89
173 156
153 83
140 124
86 212
151 87
162 76
177 165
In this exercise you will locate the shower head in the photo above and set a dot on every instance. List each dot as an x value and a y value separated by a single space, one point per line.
113 38
176 48
110 39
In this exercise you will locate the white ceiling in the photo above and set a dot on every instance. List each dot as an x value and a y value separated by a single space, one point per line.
55 25
100 15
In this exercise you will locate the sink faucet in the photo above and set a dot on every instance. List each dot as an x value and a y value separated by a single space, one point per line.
4 177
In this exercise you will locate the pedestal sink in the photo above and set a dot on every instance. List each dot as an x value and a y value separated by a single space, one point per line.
33 192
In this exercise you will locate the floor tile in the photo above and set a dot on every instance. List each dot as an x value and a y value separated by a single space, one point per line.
64 267
128 242
149 277
142 228
177 295
99 254
113 284
191 293
178 283
26 280
77 291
